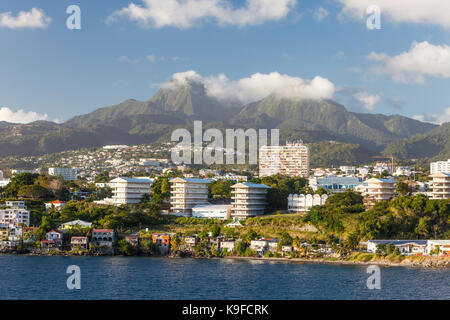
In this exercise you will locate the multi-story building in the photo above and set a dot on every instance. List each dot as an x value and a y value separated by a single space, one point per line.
303 203
186 194
15 215
348 170
440 166
102 237
333 183
378 189
293 159
127 191
440 186
248 200
69 174
162 242
212 211
442 245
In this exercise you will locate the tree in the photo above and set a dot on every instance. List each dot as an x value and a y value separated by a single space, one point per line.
35 192
125 248
403 188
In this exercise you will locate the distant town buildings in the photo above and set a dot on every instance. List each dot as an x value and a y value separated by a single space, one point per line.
75 224
293 159
333 183
187 194
440 166
298 203
440 185
127 191
348 170
113 147
212 211
248 200
69 174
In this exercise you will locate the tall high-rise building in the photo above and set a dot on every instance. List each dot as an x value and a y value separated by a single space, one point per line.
248 200
293 159
186 194
440 166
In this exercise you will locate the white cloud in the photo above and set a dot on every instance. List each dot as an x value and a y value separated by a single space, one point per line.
35 18
435 118
187 13
366 100
320 14
21 116
422 60
433 12
257 86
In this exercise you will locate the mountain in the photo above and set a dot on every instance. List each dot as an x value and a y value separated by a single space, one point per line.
370 130
433 144
348 136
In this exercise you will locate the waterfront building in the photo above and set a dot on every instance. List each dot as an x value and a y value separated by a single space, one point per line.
212 211
228 245
162 242
406 247
440 185
128 191
440 166
333 183
69 174
132 239
303 203
102 237
187 194
248 200
293 159
443 245
262 246
79 243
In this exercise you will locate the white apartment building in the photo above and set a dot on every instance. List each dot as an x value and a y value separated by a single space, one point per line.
128 190
378 189
15 214
440 186
440 166
293 159
69 174
348 170
303 203
187 194
403 171
248 200
212 211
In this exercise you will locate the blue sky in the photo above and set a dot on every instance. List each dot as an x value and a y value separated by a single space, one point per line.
49 70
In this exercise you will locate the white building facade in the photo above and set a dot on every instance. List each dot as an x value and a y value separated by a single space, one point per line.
69 174
440 166
303 203
248 200
128 191
293 159
212 211
440 185
187 194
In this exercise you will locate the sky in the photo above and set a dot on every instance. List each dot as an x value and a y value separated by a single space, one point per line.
241 50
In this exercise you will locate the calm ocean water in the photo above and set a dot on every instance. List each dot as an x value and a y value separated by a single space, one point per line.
34 277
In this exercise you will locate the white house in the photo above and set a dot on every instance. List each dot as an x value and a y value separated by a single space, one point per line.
406 247
75 223
444 247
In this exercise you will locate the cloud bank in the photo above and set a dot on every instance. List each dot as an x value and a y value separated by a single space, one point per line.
432 12
33 19
422 60
257 86
435 118
187 13
21 116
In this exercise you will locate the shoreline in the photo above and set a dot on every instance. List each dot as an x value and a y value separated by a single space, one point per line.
425 262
